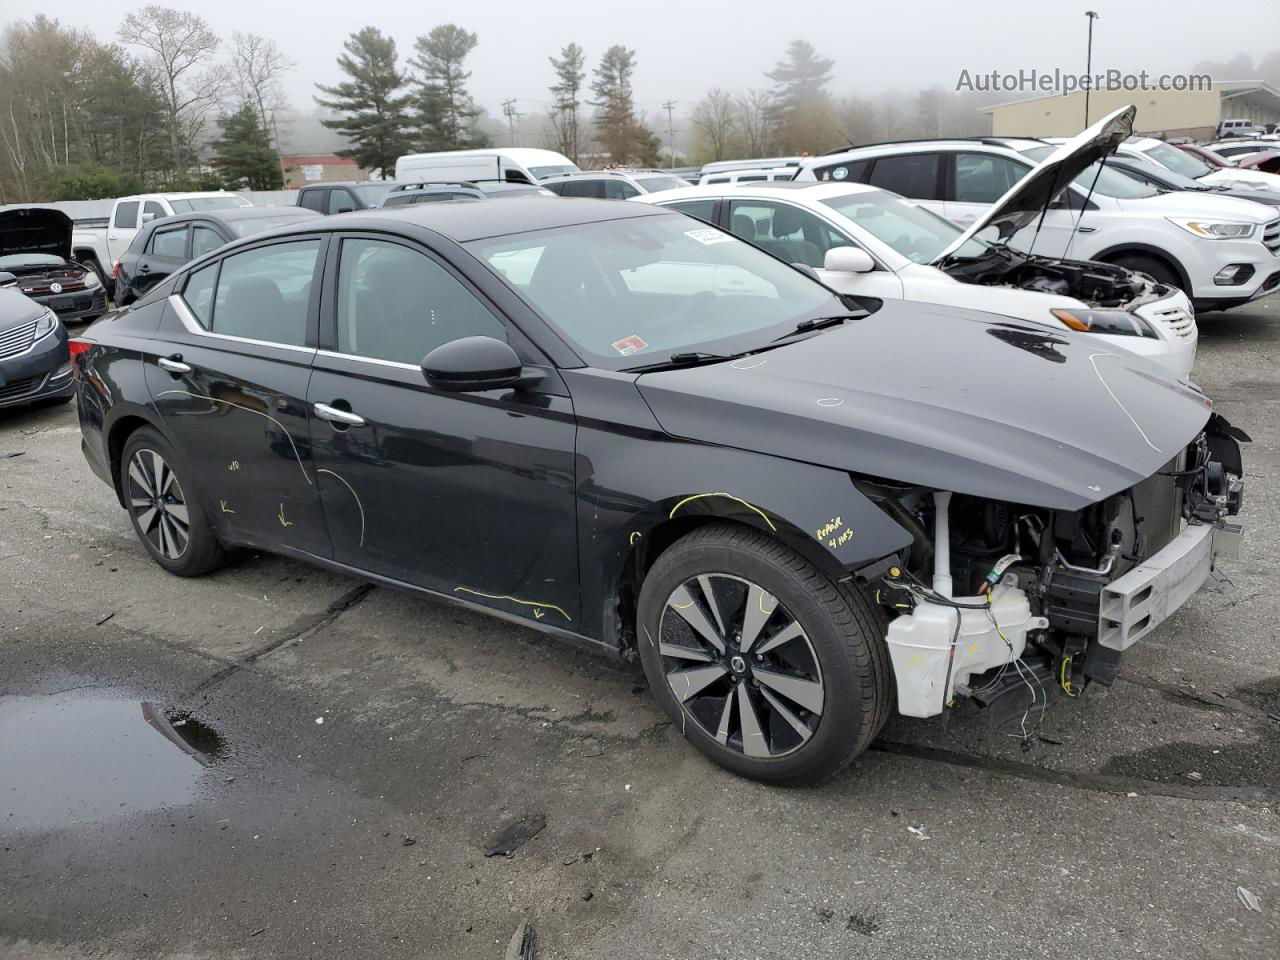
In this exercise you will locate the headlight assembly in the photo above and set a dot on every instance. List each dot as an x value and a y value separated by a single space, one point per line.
91 281
1116 322
46 323
1216 229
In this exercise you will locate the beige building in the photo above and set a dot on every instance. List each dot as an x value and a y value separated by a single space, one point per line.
1172 113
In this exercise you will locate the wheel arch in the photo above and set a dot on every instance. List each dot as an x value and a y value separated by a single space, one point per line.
121 427
1114 253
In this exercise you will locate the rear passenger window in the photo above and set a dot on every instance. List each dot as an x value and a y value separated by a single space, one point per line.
583 188
397 304
913 175
170 243
619 190
851 170
985 177
263 294
702 209
198 293
203 240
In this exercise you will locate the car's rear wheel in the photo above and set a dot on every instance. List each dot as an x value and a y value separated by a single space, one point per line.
163 508
767 666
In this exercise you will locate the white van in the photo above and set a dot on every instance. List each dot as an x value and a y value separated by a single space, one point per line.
513 164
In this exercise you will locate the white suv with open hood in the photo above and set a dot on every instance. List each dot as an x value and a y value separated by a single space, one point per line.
1059 202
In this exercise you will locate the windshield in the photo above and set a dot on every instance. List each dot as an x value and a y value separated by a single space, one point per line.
1169 179
634 291
371 194
554 170
916 233
656 184
192 204
30 260
1110 183
1179 161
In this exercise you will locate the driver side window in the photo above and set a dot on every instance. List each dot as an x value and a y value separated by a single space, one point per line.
397 304
789 233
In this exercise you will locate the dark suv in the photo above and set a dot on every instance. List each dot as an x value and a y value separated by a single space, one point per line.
330 198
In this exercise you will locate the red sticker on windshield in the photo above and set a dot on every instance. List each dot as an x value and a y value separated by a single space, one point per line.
629 345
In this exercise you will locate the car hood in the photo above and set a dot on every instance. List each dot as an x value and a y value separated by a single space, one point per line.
16 308
35 230
1050 178
1193 203
950 399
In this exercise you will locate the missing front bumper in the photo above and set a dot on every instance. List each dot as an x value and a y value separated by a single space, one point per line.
1138 602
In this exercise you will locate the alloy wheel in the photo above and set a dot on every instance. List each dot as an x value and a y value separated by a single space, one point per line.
741 665
158 505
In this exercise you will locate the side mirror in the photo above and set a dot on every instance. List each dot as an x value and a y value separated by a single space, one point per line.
472 364
848 260
148 217
346 209
7 279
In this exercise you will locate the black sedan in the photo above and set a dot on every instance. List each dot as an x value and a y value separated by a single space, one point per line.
35 247
34 364
627 429
162 246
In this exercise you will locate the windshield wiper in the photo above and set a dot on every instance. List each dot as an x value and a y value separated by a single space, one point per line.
690 358
819 323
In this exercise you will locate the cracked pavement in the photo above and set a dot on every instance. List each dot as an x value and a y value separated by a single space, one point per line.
363 835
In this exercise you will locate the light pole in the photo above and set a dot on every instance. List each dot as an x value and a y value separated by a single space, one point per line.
671 132
1088 69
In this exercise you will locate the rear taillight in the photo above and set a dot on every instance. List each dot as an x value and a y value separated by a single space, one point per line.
75 348
115 270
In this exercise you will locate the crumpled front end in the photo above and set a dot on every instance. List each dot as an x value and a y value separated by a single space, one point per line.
994 596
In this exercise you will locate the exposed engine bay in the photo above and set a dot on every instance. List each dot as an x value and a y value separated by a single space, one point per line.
995 596
1098 284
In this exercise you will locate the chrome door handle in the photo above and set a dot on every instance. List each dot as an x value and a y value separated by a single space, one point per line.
1086 229
343 417
173 364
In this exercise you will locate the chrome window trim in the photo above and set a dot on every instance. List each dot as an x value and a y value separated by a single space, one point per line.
193 326
336 355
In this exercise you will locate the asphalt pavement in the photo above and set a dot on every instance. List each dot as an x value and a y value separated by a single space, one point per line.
276 761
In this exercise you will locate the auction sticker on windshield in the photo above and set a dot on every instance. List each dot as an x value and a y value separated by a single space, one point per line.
629 345
708 236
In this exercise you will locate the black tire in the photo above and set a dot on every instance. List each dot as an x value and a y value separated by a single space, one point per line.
840 642
187 548
1156 269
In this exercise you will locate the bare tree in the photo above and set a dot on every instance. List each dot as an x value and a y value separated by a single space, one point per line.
755 121
181 47
715 119
258 66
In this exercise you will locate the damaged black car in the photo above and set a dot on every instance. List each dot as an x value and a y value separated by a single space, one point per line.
633 431
35 247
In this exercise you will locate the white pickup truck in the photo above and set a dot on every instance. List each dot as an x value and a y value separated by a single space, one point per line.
99 244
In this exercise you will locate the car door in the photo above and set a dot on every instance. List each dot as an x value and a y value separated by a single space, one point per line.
467 494
165 252
232 390
977 181
124 225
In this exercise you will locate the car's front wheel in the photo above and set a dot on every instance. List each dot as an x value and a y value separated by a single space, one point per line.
765 664
166 514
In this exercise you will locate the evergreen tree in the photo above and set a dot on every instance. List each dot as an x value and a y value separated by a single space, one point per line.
571 74
801 114
373 110
802 76
621 134
446 113
243 155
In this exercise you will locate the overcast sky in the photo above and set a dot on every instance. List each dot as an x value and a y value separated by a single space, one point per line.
683 48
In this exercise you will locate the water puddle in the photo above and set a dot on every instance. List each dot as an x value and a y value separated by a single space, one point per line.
80 757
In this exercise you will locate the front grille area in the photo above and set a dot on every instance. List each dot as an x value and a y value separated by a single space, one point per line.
1179 322
44 288
19 388
17 340
1271 237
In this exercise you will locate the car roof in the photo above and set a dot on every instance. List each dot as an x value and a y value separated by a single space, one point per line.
1014 144
474 221
769 190
237 213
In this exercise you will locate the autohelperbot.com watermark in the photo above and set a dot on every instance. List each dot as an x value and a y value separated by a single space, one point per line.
1065 82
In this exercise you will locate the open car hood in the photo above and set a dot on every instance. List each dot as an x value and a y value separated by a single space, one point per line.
1028 197
945 398
35 230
